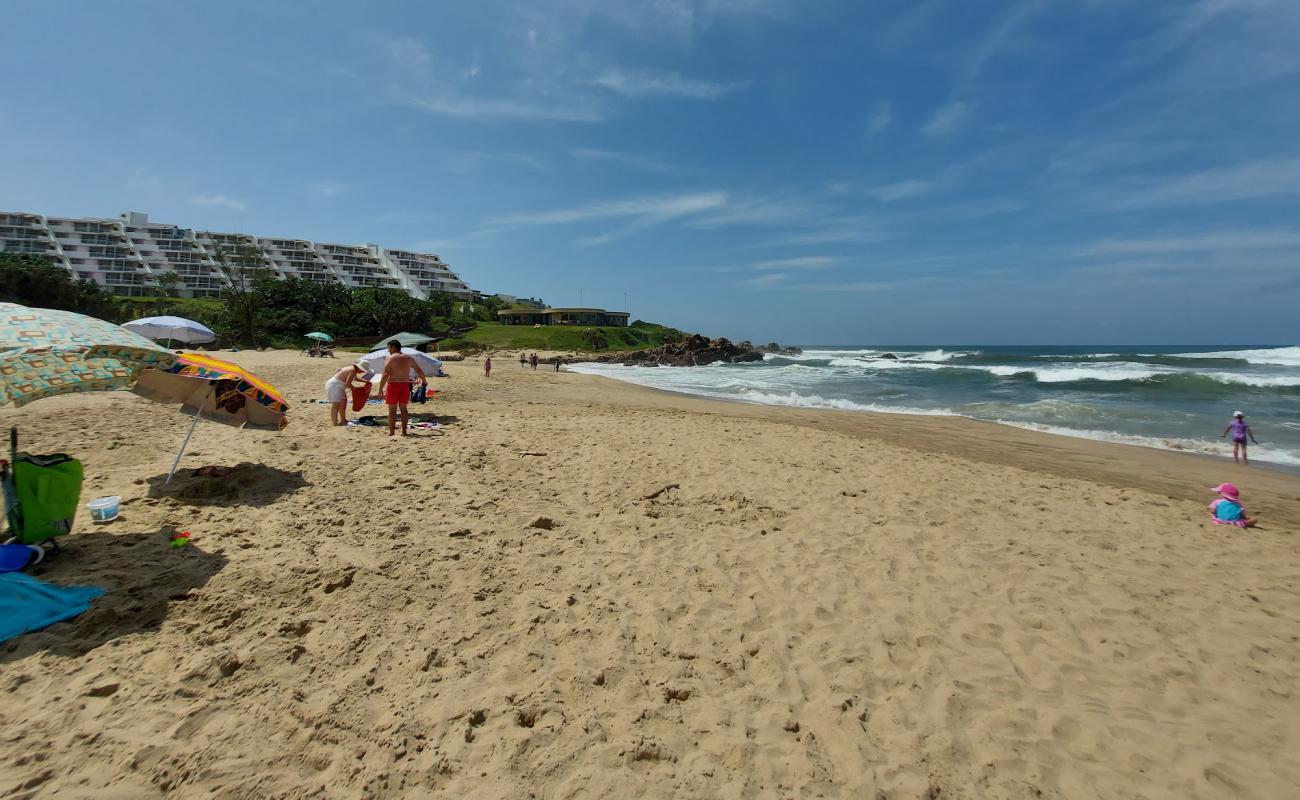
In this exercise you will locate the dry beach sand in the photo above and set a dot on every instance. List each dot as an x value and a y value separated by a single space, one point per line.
578 588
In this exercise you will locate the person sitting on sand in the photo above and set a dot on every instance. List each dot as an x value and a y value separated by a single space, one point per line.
1228 510
1240 430
336 391
395 385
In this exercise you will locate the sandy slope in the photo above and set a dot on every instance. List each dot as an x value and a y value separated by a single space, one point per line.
731 602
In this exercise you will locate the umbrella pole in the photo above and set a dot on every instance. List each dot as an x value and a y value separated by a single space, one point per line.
186 443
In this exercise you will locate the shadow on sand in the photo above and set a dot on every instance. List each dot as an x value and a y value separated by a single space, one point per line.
245 484
141 575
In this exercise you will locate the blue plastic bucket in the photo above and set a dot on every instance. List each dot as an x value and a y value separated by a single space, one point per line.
104 509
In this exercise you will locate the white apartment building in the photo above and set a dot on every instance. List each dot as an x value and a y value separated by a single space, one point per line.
131 256
425 273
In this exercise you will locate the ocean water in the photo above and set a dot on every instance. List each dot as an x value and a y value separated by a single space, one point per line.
1176 398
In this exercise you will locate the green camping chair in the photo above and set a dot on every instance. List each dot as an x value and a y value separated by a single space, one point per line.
41 494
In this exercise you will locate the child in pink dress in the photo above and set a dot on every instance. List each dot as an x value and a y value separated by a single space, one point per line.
1228 510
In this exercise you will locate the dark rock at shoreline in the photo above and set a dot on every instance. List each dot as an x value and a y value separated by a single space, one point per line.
773 347
696 351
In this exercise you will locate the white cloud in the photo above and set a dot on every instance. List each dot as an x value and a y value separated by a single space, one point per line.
1246 181
947 119
217 201
901 190
853 286
995 40
639 213
790 210
662 84
664 206
627 159
800 262
1231 241
879 120
770 279
473 108
416 78
836 230
326 189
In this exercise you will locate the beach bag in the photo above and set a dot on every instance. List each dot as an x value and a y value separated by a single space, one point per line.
46 491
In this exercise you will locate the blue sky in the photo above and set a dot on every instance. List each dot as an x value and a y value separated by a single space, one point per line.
821 172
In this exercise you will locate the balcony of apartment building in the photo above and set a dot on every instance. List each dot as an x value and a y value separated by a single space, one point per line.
21 219
167 232
82 226
103 238
9 231
40 246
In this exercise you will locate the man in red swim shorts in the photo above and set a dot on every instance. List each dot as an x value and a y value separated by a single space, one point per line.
395 385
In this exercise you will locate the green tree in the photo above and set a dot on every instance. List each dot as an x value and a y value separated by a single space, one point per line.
33 280
244 270
167 283
440 304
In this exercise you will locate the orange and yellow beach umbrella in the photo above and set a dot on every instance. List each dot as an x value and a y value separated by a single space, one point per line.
212 389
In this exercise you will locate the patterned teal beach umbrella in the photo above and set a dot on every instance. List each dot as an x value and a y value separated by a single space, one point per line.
45 352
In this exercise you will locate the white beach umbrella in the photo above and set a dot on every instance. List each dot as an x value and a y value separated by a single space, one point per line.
172 329
374 361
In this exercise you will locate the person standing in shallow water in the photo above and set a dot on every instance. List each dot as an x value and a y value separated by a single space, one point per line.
1240 430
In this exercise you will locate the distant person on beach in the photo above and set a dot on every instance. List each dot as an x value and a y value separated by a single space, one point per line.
523 360
1228 510
395 384
533 360
558 362
1240 430
336 391
487 367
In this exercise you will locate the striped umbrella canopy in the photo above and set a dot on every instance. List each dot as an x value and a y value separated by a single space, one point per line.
44 352
216 390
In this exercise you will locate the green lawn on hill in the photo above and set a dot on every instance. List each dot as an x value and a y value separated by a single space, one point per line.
561 337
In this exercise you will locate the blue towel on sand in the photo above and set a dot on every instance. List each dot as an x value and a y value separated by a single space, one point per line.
27 604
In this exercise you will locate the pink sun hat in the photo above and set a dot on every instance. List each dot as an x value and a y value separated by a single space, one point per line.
1227 491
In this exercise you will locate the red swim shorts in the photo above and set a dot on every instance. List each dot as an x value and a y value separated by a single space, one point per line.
397 393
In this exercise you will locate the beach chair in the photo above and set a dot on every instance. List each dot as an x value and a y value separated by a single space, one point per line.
41 494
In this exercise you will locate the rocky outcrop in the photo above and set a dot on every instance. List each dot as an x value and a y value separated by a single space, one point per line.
694 351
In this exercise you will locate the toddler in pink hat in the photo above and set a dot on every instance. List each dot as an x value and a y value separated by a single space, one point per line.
1228 510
